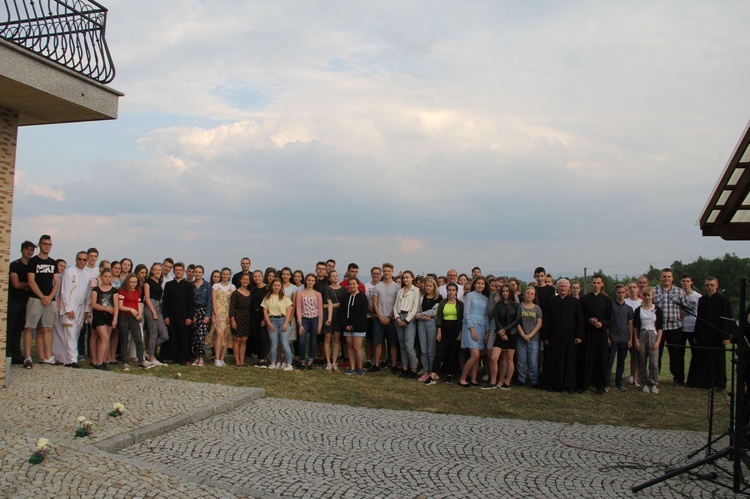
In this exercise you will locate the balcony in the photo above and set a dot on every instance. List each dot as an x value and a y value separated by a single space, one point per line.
67 32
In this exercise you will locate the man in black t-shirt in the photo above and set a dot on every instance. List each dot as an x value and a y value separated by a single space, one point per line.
18 295
41 308
245 265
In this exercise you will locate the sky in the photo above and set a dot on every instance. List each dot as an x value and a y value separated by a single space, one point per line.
429 134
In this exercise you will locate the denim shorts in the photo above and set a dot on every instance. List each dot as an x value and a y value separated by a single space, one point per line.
355 334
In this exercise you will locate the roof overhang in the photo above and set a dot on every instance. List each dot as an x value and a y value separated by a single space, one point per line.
727 213
45 92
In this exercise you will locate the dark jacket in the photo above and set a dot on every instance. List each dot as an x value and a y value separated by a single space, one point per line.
459 311
354 312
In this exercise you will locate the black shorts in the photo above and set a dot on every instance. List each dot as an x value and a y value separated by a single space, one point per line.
509 344
101 319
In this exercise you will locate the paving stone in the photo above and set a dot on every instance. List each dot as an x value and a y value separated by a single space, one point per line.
185 439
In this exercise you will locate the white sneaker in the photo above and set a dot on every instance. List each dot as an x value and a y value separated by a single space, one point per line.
287 367
645 389
50 360
273 366
654 389
329 367
485 378
630 380
156 363
147 363
223 364
217 363
278 365
125 367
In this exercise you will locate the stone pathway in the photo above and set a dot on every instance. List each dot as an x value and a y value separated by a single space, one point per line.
201 440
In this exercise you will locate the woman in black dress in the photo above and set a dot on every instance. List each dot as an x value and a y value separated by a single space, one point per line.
258 332
240 308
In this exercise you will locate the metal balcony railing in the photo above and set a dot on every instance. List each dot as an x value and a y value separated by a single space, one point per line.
68 32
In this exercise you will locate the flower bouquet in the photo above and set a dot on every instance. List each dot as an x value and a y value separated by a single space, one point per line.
84 429
118 410
42 448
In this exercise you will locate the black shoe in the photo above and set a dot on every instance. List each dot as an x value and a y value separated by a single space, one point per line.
382 364
411 375
535 387
489 387
449 380
368 364
374 369
395 370
678 383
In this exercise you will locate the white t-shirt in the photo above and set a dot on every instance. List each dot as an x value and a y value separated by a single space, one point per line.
634 303
688 322
229 287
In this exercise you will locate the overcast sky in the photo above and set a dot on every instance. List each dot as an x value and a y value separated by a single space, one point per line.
430 134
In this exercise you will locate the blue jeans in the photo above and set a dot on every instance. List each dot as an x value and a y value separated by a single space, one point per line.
620 349
310 325
427 331
527 356
279 336
406 337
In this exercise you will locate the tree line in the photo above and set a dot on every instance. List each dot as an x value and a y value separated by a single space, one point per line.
729 270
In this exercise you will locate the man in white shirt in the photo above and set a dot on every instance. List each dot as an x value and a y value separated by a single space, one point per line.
75 294
452 276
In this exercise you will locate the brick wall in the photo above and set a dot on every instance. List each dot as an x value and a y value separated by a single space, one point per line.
8 136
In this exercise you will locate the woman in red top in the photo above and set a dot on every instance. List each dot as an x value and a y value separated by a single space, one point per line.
129 318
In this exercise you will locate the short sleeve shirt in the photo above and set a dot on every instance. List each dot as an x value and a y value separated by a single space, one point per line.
44 271
20 269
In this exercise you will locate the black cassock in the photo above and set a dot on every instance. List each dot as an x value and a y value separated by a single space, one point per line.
178 302
593 353
708 367
562 324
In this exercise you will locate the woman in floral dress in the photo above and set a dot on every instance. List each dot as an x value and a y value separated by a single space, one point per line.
221 331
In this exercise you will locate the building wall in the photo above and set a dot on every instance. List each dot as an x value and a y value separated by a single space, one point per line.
8 137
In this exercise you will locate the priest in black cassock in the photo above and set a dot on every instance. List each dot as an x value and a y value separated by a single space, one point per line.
179 309
708 367
562 331
593 353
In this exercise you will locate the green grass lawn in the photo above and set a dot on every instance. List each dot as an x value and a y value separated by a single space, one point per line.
672 408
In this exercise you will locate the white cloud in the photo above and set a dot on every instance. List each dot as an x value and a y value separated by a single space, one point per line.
485 132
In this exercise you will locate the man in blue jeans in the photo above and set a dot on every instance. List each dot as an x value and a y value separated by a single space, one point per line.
620 335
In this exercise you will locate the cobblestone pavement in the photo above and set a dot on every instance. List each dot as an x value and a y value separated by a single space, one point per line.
45 402
201 440
299 449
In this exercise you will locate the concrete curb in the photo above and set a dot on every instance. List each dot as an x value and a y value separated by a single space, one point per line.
123 440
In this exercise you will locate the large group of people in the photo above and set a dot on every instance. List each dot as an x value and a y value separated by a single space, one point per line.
428 328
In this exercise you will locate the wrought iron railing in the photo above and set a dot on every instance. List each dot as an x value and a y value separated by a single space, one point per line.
68 32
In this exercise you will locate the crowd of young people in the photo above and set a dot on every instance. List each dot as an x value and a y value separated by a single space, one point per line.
428 328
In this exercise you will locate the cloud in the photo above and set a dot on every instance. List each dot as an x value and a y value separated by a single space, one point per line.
483 133
25 189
